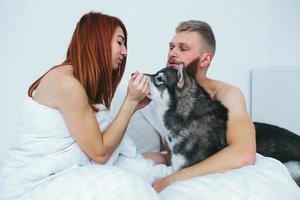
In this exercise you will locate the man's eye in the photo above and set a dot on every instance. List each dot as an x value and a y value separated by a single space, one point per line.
183 49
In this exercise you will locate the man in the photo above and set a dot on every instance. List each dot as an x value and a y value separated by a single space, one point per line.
195 39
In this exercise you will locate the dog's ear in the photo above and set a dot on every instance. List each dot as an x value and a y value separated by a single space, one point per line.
180 75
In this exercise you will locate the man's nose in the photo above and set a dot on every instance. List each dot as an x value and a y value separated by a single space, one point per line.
173 52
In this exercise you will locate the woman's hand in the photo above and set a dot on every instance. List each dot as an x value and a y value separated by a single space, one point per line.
138 87
157 157
143 103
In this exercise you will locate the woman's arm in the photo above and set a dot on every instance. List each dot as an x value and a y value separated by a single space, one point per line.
72 101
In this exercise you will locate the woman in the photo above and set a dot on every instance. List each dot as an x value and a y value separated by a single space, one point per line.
64 128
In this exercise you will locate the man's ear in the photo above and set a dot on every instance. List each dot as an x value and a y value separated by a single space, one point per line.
206 60
180 75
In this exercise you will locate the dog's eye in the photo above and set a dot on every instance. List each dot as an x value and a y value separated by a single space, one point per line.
160 79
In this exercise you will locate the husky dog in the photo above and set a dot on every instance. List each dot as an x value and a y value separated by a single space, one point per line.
197 123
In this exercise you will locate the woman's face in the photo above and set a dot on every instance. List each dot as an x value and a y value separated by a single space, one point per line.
119 51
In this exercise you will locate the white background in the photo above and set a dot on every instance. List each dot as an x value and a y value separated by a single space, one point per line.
275 98
250 34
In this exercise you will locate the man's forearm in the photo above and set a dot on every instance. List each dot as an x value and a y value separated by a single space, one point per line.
226 159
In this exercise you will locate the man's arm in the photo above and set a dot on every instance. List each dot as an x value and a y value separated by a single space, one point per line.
240 135
240 132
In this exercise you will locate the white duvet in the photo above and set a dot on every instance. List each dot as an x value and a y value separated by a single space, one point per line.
268 179
47 164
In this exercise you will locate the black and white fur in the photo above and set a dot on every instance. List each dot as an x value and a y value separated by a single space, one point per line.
197 123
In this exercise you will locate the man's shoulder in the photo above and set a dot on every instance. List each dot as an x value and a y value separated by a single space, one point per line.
227 89
222 89
228 94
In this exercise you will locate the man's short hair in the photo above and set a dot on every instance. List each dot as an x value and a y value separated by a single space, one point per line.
203 29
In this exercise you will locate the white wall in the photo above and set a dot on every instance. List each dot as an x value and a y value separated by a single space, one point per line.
250 34
275 98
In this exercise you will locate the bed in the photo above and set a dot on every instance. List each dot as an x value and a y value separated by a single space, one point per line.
267 179
127 175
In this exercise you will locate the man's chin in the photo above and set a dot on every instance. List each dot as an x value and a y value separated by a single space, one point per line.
174 66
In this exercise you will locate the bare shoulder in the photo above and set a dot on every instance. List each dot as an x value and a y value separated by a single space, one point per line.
70 93
230 96
59 87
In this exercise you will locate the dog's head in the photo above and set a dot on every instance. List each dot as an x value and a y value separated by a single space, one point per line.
168 84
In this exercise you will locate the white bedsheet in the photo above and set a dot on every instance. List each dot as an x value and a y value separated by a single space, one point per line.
268 179
31 172
93 182
46 163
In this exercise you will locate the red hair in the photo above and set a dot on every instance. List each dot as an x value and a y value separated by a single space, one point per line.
90 55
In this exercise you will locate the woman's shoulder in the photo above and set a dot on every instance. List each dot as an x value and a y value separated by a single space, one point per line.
63 80
58 84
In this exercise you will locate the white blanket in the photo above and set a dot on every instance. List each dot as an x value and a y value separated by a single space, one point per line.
267 179
46 163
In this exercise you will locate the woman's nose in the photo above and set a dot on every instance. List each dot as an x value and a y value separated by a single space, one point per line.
124 51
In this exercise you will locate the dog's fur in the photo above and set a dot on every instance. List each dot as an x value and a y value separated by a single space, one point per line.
197 124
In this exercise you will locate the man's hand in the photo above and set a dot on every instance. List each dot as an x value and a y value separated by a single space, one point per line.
161 184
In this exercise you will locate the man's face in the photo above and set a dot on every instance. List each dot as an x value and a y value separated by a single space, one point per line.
184 47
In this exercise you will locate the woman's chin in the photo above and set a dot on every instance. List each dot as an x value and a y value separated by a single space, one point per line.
115 68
